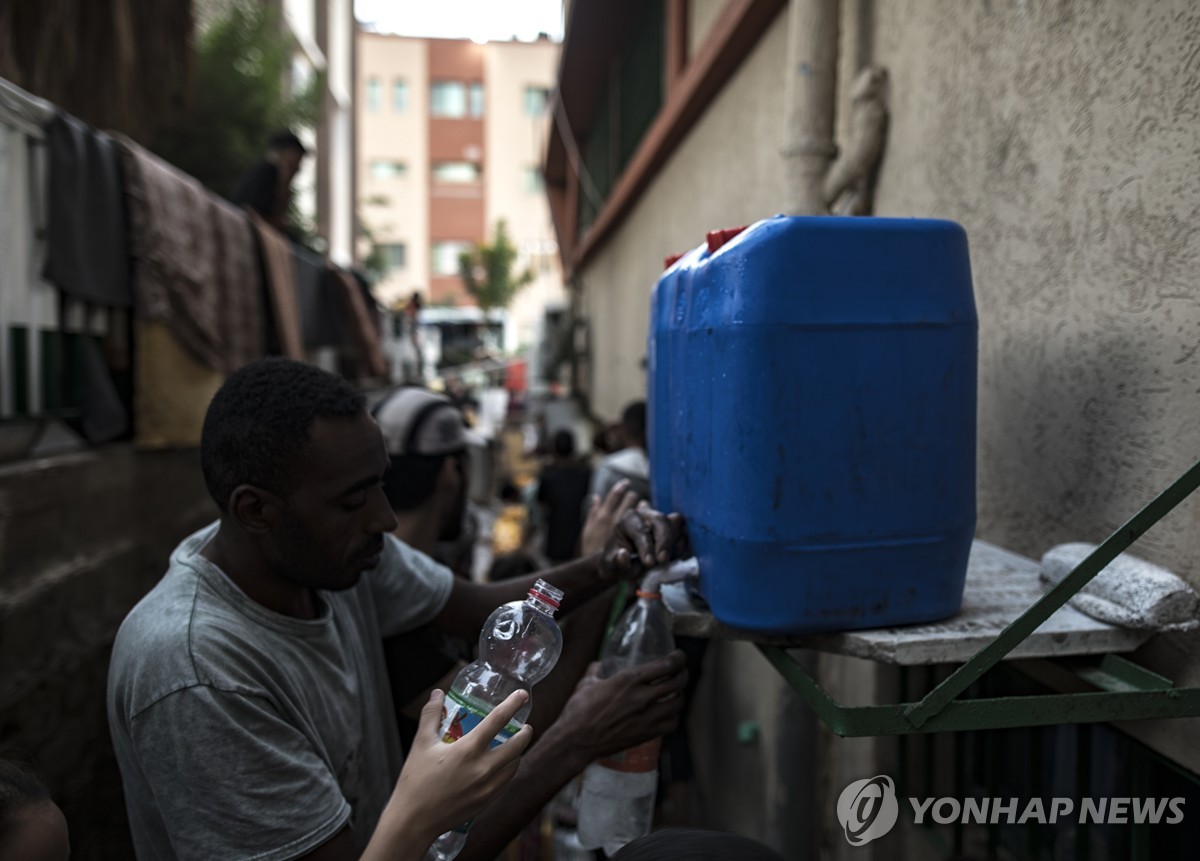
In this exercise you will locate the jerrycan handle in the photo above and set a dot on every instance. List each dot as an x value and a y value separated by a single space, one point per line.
717 238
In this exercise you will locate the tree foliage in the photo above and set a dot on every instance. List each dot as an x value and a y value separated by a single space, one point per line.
487 271
239 96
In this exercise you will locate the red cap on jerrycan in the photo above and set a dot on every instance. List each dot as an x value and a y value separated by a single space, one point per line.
717 238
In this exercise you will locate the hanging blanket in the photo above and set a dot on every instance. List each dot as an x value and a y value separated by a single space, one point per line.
281 287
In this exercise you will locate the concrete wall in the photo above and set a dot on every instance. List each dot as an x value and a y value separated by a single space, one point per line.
1062 136
82 538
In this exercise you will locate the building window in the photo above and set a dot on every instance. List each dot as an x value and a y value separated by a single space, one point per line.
445 256
458 172
625 111
387 169
536 99
533 180
394 254
477 100
448 99
374 94
400 95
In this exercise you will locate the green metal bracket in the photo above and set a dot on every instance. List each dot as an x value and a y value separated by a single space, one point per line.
1128 691
989 713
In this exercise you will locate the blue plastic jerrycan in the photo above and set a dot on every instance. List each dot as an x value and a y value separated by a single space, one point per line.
812 396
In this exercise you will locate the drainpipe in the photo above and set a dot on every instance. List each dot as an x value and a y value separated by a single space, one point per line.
810 93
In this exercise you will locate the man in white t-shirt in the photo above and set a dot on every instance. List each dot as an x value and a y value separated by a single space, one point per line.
248 702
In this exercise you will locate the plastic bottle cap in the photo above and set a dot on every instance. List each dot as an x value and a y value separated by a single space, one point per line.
717 238
545 592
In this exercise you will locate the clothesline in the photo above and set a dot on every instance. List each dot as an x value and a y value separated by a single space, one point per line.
23 111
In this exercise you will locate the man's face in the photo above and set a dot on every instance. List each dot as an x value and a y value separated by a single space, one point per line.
334 520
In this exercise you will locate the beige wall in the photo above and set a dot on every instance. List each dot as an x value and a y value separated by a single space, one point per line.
1063 138
698 190
397 136
701 16
515 143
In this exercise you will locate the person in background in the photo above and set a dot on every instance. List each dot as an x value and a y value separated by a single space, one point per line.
562 488
410 342
266 187
630 462
510 531
32 827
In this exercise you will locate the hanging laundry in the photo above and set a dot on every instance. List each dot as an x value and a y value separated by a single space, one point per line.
173 246
87 254
360 309
239 280
281 287
322 317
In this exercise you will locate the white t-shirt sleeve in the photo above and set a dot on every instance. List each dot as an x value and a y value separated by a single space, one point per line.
408 588
233 780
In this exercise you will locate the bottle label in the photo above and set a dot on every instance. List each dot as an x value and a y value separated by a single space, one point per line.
635 760
460 716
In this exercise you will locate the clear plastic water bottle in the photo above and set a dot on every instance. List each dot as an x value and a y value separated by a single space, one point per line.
518 647
616 800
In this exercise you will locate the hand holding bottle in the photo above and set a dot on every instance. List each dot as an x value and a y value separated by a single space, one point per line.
442 785
625 709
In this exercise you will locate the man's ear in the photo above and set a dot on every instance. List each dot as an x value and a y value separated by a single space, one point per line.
256 510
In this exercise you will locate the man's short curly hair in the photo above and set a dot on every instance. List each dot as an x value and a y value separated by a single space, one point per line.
261 417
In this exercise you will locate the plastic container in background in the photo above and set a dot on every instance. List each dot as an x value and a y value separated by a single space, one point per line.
821 416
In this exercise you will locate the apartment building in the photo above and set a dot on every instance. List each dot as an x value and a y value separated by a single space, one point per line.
451 137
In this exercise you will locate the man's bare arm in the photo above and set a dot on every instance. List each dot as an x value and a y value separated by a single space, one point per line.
602 717
642 539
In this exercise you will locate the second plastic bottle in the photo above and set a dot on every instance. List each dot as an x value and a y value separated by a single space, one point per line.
616 800
518 647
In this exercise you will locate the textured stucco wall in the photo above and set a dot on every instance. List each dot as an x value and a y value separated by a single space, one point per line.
1064 137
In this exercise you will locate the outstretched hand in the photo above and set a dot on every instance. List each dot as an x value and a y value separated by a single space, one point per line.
444 785
604 515
605 716
643 538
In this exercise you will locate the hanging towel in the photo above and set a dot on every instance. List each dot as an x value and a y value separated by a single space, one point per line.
281 287
87 249
322 315
173 246
363 331
239 285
